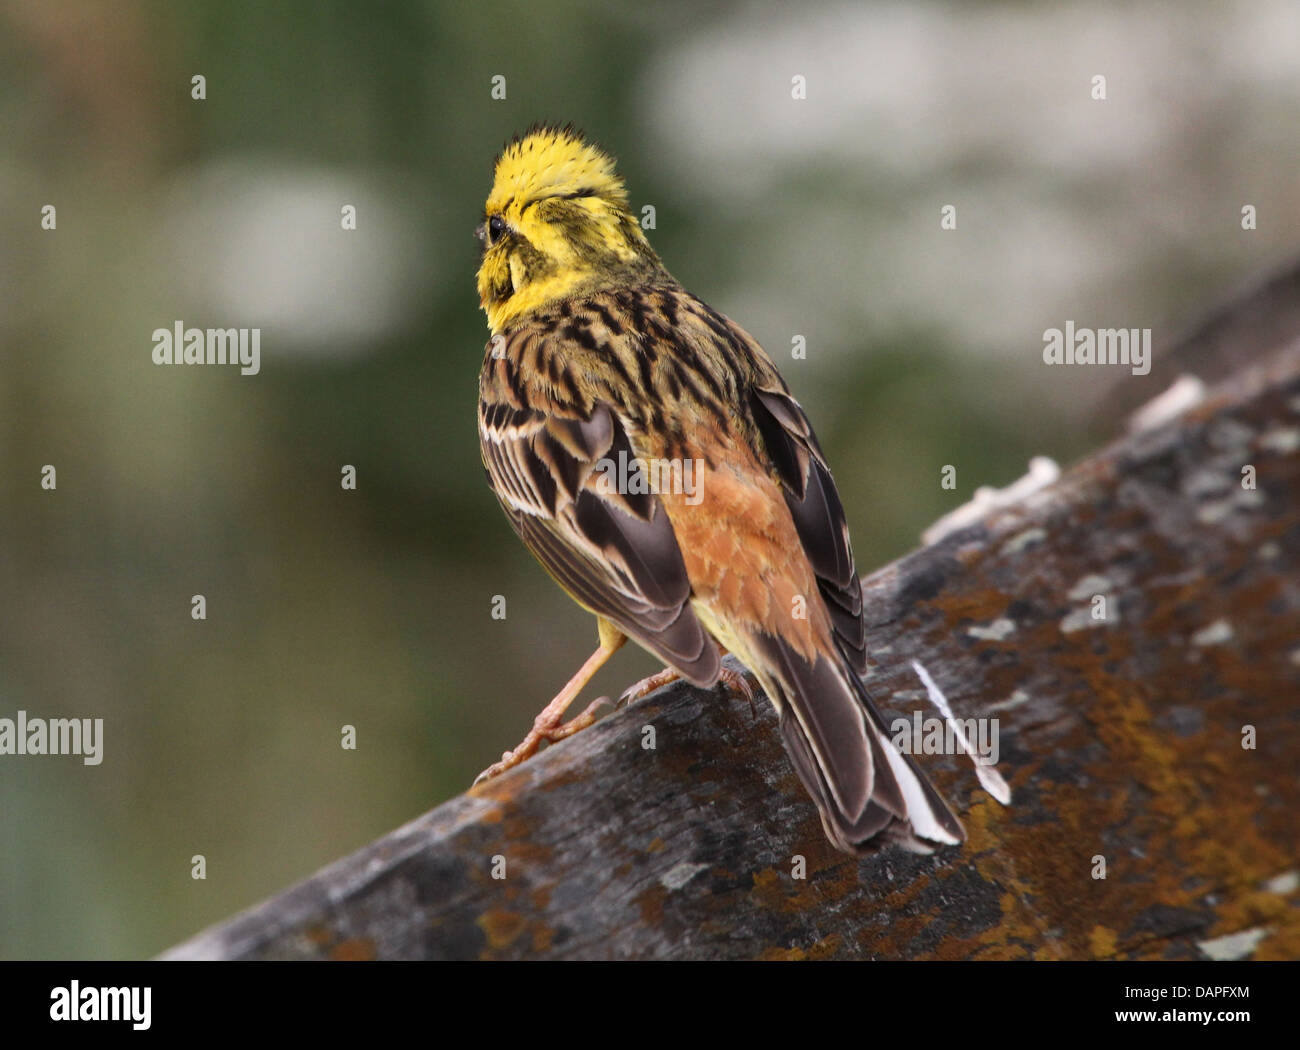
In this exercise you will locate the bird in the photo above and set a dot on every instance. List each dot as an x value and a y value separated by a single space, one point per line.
605 386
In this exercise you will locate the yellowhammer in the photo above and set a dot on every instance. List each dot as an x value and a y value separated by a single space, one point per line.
603 379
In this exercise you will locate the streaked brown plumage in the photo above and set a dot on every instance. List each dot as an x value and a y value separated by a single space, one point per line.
598 352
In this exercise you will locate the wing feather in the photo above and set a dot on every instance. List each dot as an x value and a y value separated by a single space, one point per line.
614 552
818 514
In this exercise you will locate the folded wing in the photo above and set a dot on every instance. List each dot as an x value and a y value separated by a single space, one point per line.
557 474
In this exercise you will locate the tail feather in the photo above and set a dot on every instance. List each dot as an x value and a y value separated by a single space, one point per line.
867 792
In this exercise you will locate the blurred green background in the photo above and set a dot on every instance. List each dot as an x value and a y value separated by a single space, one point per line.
815 217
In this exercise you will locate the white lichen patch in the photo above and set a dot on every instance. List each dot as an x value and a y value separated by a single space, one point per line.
1082 619
1186 392
1283 440
1016 699
1284 885
994 632
680 874
1205 482
1212 513
1042 473
1089 586
1215 634
1021 540
1234 945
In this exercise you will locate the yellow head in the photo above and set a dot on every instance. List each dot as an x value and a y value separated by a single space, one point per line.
556 225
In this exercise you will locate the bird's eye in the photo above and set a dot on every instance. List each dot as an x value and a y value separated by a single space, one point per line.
496 229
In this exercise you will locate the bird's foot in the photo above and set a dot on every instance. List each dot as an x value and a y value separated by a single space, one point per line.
738 682
735 681
647 686
547 730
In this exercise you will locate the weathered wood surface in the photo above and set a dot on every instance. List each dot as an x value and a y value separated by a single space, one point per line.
1121 739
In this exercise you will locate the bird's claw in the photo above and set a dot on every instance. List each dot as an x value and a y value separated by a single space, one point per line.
550 733
647 686
738 682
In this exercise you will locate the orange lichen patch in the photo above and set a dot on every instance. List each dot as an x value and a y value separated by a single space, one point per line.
983 816
651 903
910 912
501 927
355 949
840 882
1029 864
1010 938
1045 869
1257 909
1102 942
826 948
1191 799
524 847
505 788
1001 951
543 936
1210 825
1248 909
509 931
1282 943
977 607
656 846
1184 796
774 889
349 949
1121 720
768 891
493 816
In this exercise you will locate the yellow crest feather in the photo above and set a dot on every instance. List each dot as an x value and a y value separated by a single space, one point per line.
551 161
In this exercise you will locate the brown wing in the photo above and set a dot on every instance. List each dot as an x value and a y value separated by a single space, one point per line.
818 514
613 552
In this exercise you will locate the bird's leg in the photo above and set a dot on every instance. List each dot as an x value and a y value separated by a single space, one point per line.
550 724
